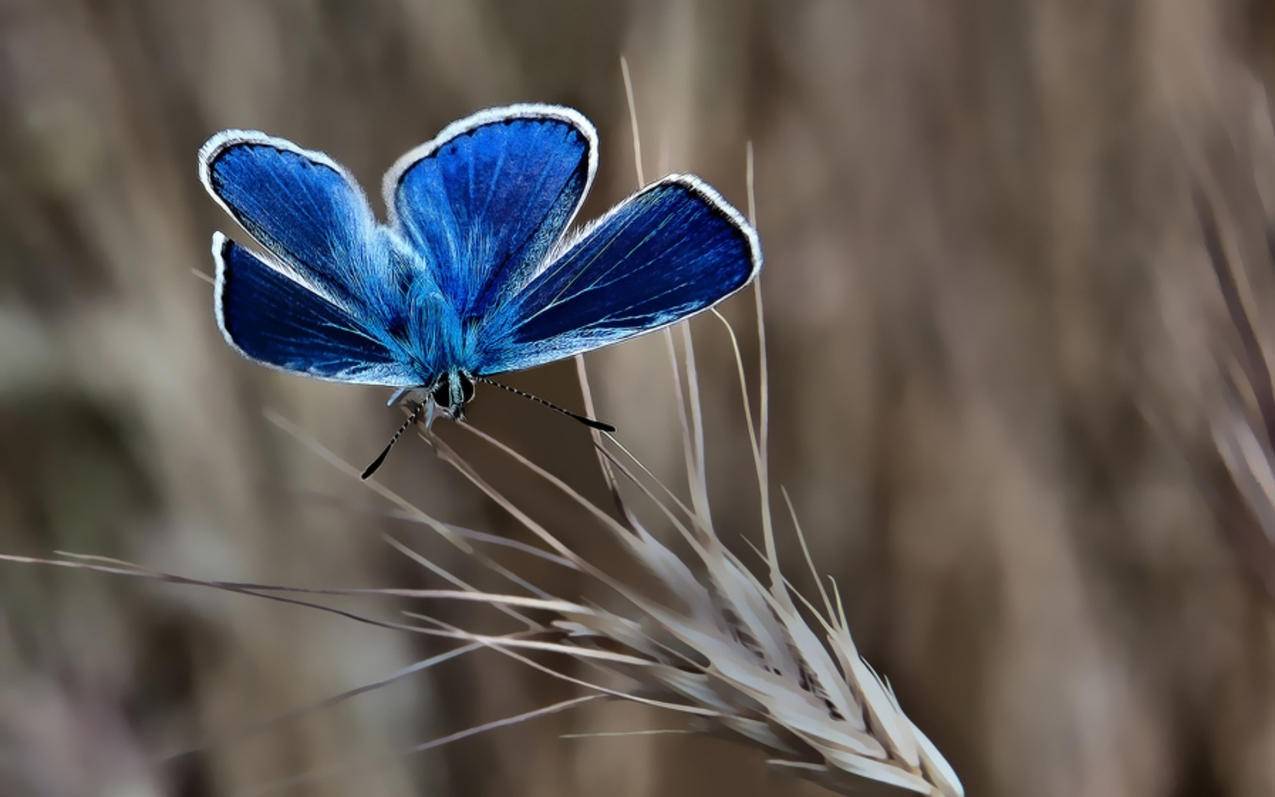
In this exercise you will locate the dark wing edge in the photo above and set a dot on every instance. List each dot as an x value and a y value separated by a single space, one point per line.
699 188
394 176
221 143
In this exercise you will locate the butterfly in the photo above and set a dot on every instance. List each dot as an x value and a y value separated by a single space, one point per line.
473 274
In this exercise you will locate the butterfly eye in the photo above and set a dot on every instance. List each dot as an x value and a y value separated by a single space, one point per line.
466 389
441 393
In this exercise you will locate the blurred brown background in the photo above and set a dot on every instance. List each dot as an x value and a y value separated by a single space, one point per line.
997 351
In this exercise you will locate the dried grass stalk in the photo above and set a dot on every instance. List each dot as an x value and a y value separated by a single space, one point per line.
1243 426
734 649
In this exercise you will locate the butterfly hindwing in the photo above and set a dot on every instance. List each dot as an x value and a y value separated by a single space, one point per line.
298 204
486 200
673 249
270 317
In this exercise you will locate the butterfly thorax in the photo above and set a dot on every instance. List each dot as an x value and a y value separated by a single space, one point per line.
421 325
425 326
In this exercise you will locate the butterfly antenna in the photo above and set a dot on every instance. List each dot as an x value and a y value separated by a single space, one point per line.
376 463
584 419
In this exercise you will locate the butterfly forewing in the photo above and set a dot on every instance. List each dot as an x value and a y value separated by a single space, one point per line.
673 249
486 200
300 206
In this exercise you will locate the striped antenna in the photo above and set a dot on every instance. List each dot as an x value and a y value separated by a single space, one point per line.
584 419
376 463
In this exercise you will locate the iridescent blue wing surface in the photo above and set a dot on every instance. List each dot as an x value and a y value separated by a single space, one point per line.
300 206
486 200
671 250
269 317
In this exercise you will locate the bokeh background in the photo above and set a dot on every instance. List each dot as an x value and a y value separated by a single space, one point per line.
999 358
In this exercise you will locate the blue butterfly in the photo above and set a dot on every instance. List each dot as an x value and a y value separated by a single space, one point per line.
473 275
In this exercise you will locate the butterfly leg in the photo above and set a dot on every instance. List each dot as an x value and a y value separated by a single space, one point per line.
398 394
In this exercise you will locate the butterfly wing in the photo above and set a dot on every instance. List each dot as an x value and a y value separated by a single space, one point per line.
671 250
486 200
270 317
302 207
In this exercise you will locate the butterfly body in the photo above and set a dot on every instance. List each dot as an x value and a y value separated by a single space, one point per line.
472 275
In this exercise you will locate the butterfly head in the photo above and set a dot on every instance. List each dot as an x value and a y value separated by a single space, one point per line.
451 391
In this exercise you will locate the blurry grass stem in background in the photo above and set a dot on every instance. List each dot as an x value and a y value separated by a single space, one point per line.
1244 430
